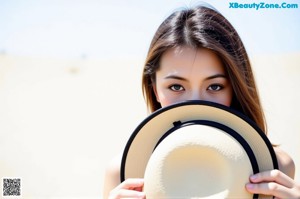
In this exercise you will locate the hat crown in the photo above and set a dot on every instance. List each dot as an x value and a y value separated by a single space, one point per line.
198 161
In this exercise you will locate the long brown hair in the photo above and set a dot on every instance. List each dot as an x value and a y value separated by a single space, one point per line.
204 27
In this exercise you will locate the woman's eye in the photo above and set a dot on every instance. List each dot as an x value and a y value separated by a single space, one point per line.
215 87
176 87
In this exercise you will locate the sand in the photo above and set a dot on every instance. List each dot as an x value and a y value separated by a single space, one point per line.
62 120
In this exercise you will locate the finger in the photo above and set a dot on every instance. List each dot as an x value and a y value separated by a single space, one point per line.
131 183
125 193
272 176
270 188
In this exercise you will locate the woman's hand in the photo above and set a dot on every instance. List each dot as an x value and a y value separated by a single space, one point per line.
274 183
130 188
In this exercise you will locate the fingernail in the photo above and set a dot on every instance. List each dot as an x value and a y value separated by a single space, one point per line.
253 177
141 194
139 180
249 186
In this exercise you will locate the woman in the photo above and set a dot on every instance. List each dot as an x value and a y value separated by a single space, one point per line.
196 54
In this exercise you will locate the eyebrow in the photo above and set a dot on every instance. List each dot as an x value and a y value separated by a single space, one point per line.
207 78
216 76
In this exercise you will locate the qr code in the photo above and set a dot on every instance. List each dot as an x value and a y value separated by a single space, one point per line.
11 186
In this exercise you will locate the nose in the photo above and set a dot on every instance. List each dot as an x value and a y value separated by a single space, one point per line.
195 95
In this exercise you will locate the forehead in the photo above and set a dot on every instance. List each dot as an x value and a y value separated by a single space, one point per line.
187 59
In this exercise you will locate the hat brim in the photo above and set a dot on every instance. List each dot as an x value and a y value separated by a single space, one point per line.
148 134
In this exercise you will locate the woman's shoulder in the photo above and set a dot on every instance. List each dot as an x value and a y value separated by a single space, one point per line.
113 166
285 162
112 175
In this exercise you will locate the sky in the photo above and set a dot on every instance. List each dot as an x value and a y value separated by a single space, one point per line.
123 29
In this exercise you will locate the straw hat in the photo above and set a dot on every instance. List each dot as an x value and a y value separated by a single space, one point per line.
197 149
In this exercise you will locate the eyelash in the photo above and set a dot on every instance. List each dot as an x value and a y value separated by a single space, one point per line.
172 87
220 87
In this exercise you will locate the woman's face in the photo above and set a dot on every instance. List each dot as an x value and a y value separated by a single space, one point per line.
191 74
